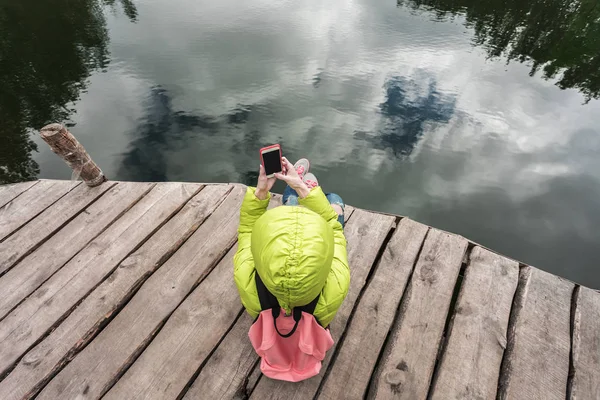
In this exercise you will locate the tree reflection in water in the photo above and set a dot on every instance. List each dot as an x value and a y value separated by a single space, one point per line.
48 49
560 38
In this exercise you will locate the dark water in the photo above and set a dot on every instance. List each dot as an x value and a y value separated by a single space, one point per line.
476 117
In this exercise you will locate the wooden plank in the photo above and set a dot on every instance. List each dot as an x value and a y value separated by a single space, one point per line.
252 381
374 315
77 330
19 211
586 346
365 233
536 363
470 365
166 366
11 191
95 370
53 300
36 268
226 372
22 242
224 375
409 356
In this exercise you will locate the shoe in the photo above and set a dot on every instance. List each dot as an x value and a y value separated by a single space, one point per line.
302 166
311 181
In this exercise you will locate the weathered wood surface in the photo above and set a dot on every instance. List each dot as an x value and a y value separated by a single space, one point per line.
166 366
136 300
470 365
19 211
374 316
406 368
35 269
26 239
536 363
53 300
48 357
365 233
586 346
226 373
95 370
11 191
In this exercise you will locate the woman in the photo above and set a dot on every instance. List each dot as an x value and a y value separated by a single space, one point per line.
297 253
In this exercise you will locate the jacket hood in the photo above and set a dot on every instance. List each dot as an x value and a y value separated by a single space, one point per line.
292 249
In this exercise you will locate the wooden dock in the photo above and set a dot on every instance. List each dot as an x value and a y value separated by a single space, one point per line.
125 291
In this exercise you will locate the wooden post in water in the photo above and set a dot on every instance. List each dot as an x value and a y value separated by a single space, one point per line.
63 143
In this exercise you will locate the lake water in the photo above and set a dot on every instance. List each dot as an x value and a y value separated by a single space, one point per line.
475 117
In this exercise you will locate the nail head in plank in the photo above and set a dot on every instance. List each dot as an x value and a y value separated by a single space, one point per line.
49 221
95 369
365 233
470 365
374 316
47 358
24 208
586 346
536 363
406 367
191 333
36 268
12 190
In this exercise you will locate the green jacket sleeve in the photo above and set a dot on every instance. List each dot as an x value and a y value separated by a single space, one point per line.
336 287
252 209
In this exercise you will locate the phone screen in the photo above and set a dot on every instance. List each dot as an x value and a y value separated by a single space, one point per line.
272 161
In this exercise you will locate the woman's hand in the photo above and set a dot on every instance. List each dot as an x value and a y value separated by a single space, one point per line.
264 184
291 177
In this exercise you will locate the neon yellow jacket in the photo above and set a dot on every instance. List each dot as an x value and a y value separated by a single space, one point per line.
298 252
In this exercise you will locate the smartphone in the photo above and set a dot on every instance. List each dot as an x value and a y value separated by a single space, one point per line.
270 157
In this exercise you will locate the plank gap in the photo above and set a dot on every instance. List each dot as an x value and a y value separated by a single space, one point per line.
44 240
97 383
466 259
517 306
32 217
195 375
574 305
69 356
65 315
397 317
448 325
51 234
33 243
4 200
368 279
95 331
375 265
34 289
406 368
146 342
252 380
134 356
347 217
